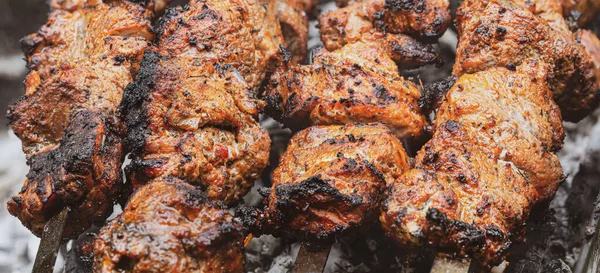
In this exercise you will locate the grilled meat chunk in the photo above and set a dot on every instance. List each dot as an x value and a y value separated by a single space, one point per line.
170 226
489 161
582 11
425 20
40 117
121 29
591 43
242 33
194 119
81 61
356 84
73 143
405 50
293 19
501 33
81 172
153 6
330 180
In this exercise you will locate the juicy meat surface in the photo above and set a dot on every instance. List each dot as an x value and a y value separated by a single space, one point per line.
243 33
356 84
153 6
81 172
331 179
489 161
194 119
502 33
425 20
293 19
75 158
80 63
591 43
583 11
170 226
120 29
40 117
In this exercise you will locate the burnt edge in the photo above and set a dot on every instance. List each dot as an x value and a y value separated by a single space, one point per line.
67 166
132 109
434 92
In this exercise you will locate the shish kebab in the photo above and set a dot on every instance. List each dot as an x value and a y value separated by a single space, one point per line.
490 160
76 151
332 179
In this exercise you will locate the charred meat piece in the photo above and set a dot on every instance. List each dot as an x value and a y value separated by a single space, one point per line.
489 161
122 29
81 62
293 19
40 117
330 180
501 33
582 11
356 84
81 172
244 34
153 6
194 119
170 226
73 143
404 50
591 43
425 20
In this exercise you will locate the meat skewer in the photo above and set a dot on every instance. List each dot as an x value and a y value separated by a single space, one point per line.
80 63
450 212
191 116
358 82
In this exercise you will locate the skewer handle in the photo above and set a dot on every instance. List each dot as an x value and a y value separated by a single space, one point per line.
51 238
310 262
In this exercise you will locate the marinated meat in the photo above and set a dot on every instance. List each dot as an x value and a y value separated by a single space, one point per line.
170 226
330 180
243 33
425 20
82 172
80 64
103 29
356 84
194 119
502 33
489 161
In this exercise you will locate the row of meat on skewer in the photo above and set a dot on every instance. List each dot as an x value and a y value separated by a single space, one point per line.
180 91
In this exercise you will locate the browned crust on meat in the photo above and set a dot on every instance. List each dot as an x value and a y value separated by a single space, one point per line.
170 226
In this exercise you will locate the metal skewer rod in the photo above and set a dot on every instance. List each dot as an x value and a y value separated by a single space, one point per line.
50 242
311 262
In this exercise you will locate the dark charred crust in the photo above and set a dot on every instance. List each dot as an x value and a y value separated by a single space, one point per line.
292 200
170 14
66 175
285 54
412 54
132 108
432 93
251 218
401 5
30 43
457 235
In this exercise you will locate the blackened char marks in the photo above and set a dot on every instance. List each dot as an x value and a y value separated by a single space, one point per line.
82 172
434 92
399 5
134 100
